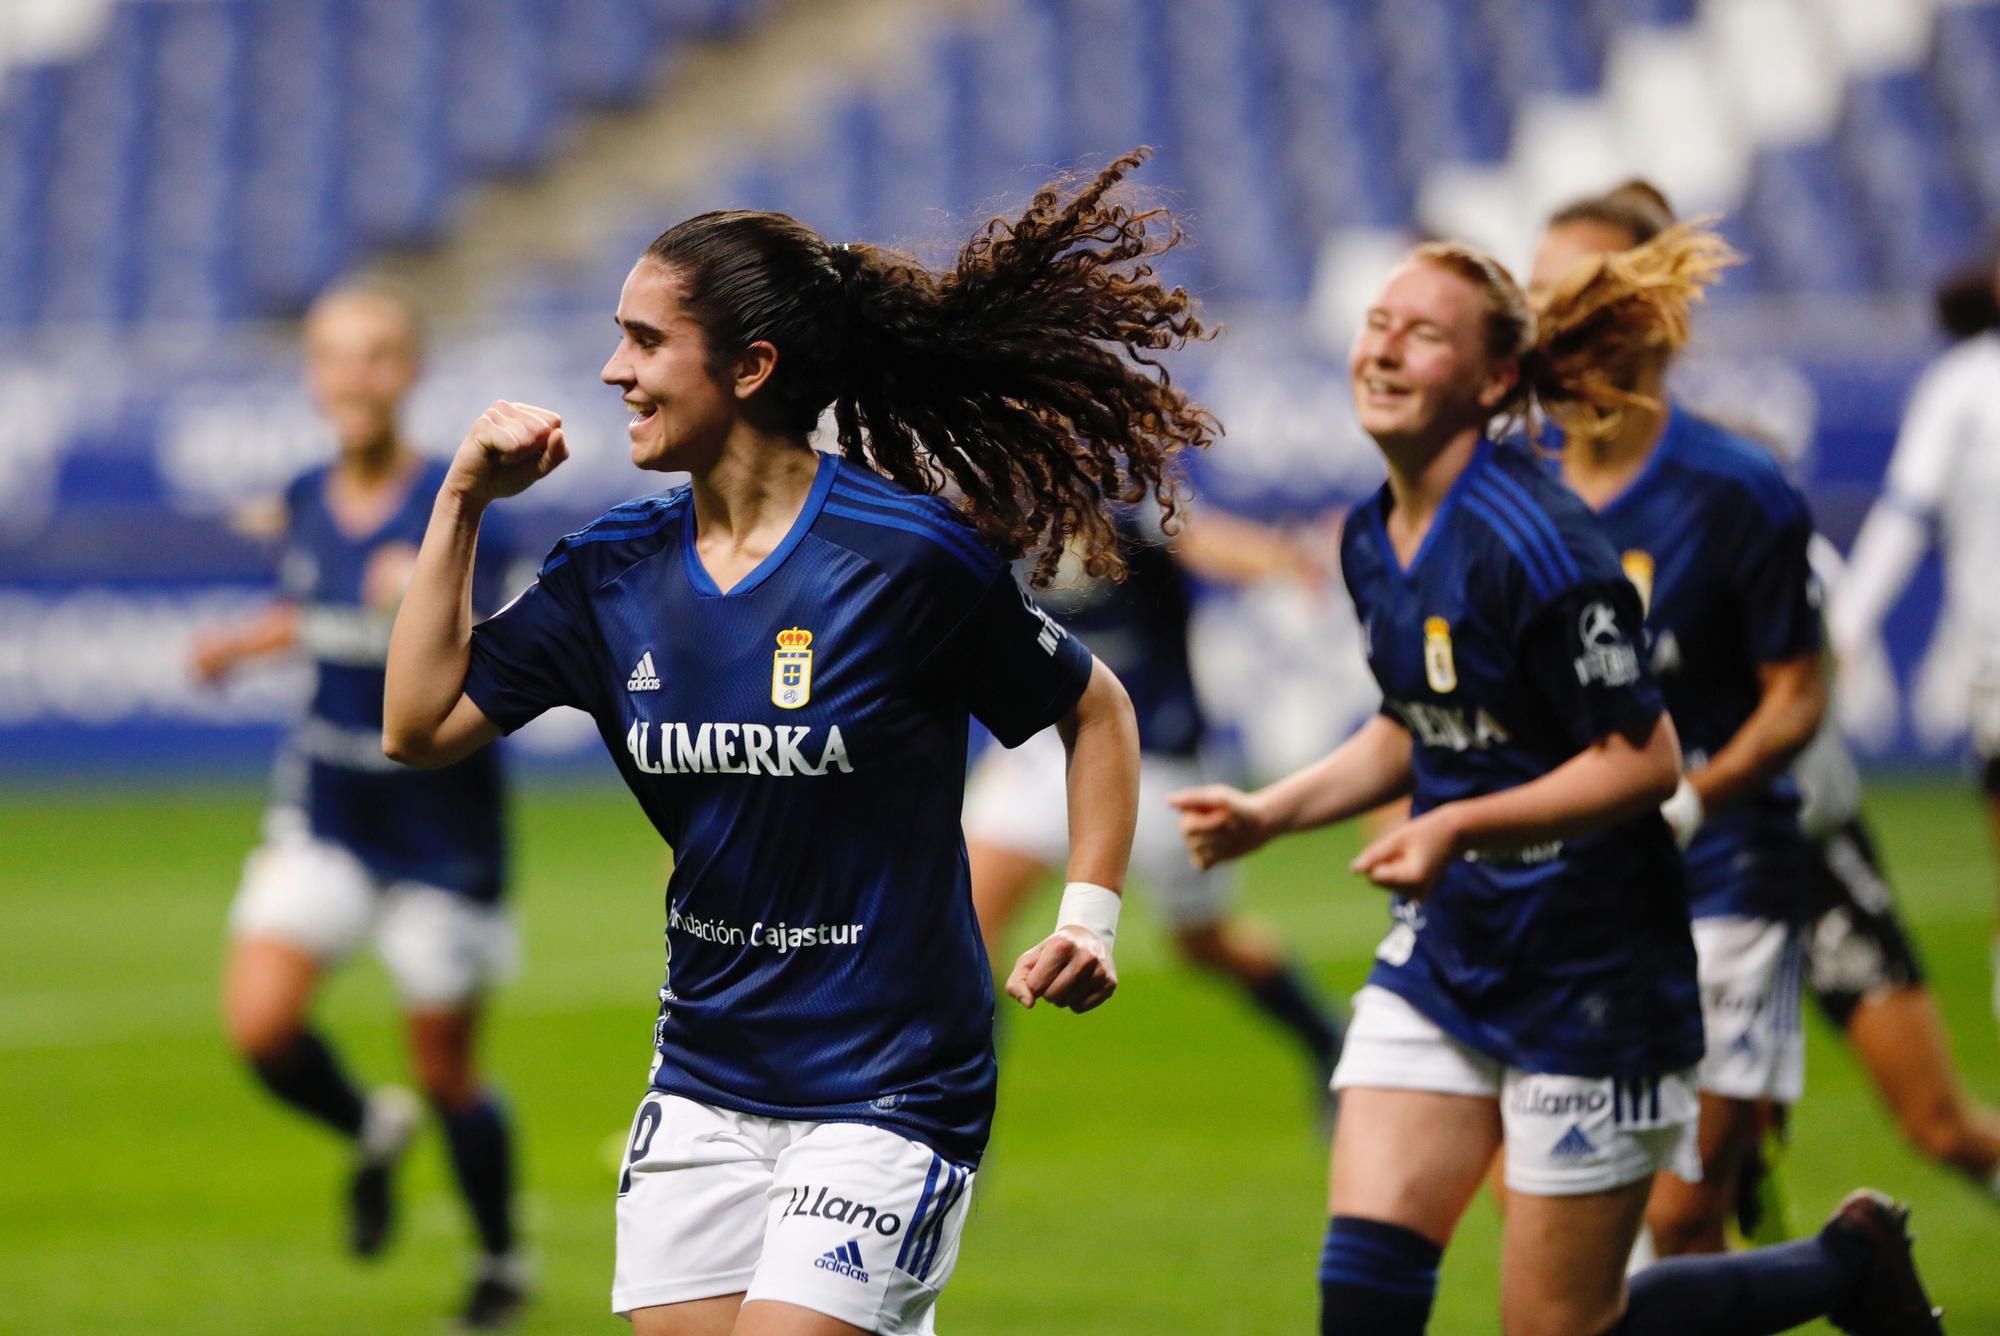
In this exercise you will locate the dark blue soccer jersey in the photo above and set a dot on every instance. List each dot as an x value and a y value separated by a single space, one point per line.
1139 628
800 741
441 827
1507 646
1714 537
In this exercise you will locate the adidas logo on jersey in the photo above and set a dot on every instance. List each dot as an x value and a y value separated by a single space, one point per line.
644 676
844 1261
1573 1146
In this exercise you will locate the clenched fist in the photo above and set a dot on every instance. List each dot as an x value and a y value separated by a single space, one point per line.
1220 823
1071 967
510 447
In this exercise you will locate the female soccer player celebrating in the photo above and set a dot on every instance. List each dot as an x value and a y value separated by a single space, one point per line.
1858 957
782 657
1538 988
356 850
1715 539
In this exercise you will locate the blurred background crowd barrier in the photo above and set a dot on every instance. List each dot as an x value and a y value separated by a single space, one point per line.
178 178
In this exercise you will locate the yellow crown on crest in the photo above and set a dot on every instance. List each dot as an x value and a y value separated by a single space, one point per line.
795 638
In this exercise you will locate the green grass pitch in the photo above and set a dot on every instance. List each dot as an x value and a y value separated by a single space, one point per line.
1154 1168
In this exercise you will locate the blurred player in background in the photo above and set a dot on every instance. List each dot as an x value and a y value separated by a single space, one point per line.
1862 963
1016 826
782 657
1538 989
1944 483
356 849
1714 538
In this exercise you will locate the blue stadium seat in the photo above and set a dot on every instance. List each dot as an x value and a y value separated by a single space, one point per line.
1806 218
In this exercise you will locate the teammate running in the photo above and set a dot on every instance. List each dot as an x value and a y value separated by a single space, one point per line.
1714 538
1944 481
781 657
1862 963
1015 824
356 850
1538 988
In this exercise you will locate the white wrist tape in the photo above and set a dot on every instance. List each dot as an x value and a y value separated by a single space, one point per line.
1088 906
1684 813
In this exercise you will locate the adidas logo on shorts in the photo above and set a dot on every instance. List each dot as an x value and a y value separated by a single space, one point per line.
1573 1146
643 678
845 1261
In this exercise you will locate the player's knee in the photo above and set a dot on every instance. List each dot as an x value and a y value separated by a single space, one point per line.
259 1034
1692 1223
1938 1130
1204 947
447 1082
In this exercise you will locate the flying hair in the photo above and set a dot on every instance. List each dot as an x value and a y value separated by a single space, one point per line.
1614 319
1025 379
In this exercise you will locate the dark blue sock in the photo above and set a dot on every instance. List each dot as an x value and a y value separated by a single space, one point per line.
1375 1279
482 1159
1737 1294
307 1076
1288 999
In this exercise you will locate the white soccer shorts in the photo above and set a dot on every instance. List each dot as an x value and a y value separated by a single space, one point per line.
1983 715
1751 971
1565 1135
1019 800
842 1218
441 949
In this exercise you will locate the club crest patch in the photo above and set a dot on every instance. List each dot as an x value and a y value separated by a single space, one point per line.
792 669
1439 670
1639 570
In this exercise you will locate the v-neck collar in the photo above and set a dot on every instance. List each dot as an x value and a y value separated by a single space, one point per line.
412 487
1386 498
704 583
1635 487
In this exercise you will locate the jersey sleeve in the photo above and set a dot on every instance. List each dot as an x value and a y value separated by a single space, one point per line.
1012 665
1778 596
1931 437
537 652
1582 650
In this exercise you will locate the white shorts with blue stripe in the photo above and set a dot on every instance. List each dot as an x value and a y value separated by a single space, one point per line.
1751 971
842 1218
1565 1135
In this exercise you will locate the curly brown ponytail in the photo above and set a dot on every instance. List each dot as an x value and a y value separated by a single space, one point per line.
1616 317
1026 377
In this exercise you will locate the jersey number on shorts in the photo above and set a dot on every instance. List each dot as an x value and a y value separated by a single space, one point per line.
642 1141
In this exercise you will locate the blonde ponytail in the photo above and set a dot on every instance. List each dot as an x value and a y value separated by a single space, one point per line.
1614 318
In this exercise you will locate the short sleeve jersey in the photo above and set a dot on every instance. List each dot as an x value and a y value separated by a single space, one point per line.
1506 646
441 827
800 741
1716 541
1139 627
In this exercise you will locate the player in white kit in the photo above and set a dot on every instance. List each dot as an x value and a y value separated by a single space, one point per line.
1943 486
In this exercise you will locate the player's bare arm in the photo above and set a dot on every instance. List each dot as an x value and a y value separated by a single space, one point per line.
1072 966
1612 779
1232 550
214 654
427 720
1372 767
1788 714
